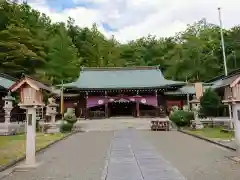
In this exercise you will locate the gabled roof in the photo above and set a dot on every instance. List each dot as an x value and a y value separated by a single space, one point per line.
188 89
122 77
31 82
230 74
6 81
225 81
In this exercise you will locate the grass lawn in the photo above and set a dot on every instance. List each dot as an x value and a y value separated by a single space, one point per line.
212 133
13 147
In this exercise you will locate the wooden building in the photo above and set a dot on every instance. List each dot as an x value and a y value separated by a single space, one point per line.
124 91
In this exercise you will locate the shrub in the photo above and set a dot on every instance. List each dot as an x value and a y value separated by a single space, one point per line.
66 127
181 118
70 118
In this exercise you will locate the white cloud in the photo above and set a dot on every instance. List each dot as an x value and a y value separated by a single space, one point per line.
137 18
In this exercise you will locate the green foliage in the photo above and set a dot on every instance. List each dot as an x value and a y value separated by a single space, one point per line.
66 127
181 118
30 43
210 103
70 118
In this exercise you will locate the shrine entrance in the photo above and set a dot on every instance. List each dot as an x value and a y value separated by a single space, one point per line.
122 107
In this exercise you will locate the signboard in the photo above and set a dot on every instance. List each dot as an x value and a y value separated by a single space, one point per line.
30 119
122 100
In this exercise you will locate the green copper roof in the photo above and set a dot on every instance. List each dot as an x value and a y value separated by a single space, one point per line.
186 90
128 77
5 82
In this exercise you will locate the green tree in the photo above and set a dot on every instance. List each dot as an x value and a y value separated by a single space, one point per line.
210 103
63 63
20 51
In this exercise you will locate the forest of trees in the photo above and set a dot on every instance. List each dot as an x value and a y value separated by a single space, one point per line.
31 44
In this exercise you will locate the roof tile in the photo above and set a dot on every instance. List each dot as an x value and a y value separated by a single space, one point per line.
129 77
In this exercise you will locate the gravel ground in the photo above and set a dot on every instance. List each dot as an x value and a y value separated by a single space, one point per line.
194 158
79 157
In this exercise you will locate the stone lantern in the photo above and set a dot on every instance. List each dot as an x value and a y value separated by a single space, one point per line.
31 98
7 128
52 112
8 106
195 102
195 106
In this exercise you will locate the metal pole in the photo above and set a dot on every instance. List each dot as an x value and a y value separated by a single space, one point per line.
222 41
188 104
224 60
62 101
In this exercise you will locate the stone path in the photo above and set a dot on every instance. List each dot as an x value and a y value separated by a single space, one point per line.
115 123
133 155
79 157
194 158
132 158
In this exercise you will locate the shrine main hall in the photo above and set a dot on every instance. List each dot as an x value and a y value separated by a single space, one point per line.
124 91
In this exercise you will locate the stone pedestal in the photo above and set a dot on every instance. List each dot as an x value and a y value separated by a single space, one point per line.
53 128
197 124
31 136
7 129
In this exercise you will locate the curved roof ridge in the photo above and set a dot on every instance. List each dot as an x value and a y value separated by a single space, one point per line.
119 68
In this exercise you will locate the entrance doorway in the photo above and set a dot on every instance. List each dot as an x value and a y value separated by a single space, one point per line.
122 109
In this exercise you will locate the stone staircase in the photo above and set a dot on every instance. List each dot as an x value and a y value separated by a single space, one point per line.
116 123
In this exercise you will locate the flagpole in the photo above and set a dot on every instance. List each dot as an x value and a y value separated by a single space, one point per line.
188 104
62 101
222 41
224 59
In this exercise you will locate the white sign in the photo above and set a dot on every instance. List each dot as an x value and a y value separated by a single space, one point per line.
100 101
111 100
122 100
143 101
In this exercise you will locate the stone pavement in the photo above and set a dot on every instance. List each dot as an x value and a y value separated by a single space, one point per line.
133 155
116 123
196 159
79 157
132 158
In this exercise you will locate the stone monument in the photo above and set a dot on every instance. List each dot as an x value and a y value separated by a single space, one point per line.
31 97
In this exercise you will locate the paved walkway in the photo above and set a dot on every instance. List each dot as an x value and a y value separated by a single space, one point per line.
116 123
79 157
133 155
132 158
194 158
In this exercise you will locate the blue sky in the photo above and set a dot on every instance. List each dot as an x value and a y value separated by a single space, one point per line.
131 19
60 5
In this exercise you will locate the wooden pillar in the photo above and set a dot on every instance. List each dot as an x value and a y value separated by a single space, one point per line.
137 104
157 108
106 105
137 108
86 112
